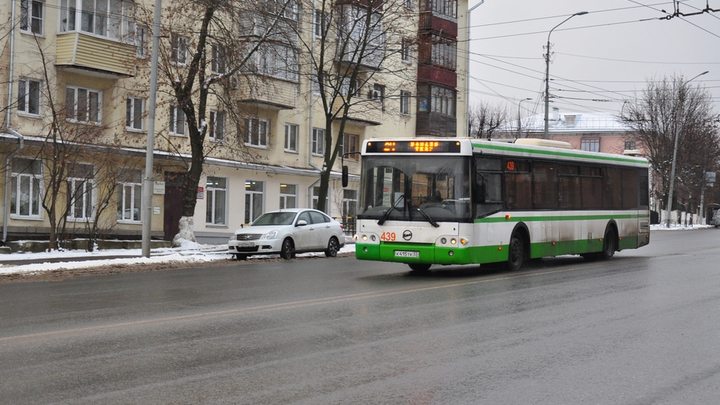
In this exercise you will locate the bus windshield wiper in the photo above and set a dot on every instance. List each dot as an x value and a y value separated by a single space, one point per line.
428 217
386 215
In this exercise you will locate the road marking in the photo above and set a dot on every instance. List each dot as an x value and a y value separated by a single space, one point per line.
267 308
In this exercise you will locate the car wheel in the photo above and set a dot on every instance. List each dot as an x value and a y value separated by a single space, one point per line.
332 248
240 257
287 251
516 255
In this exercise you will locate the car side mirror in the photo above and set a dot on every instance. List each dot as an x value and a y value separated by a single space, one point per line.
301 222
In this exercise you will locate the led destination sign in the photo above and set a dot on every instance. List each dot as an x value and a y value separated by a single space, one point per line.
413 147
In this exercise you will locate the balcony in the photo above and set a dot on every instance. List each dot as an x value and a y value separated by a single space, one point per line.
95 56
363 112
437 23
267 92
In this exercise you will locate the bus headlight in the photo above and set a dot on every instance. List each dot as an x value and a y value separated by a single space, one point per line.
453 241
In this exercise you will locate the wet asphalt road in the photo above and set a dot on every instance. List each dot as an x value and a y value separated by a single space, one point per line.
642 328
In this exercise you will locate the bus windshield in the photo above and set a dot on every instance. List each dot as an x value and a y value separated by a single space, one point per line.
412 188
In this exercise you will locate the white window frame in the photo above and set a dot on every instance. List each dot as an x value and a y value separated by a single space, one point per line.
257 132
404 102
141 41
318 142
218 64
348 147
85 199
590 144
254 200
27 96
87 113
35 186
176 121
132 121
129 193
320 24
291 137
406 50
32 17
216 129
288 196
113 19
180 49
216 193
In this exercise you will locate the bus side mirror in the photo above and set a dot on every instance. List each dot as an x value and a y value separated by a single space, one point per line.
345 176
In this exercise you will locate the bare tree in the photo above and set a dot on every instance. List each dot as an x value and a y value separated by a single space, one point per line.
353 60
485 119
653 117
206 51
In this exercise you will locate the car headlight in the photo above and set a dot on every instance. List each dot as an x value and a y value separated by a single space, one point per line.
270 235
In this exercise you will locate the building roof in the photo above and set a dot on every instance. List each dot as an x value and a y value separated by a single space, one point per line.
571 122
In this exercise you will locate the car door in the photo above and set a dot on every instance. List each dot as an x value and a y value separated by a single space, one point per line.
321 229
304 235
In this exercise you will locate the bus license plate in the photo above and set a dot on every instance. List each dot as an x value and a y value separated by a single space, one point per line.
406 253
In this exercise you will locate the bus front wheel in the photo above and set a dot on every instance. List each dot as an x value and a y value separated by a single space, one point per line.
419 267
608 245
516 254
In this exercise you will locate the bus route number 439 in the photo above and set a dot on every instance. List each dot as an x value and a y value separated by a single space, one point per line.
388 236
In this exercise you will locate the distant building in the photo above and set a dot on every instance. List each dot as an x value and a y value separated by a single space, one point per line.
595 132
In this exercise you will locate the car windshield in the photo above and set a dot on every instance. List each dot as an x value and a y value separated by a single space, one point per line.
275 218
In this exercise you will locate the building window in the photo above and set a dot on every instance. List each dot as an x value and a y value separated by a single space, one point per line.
405 49
129 195
442 7
256 132
288 196
442 100
630 145
218 59
291 137
316 198
28 96
31 16
321 24
350 145
318 141
408 4
253 200
349 203
590 144
216 192
26 188
444 52
217 126
108 18
179 50
81 192
83 105
404 102
378 94
277 60
141 39
134 111
177 121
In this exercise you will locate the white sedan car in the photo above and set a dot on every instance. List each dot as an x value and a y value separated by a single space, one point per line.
288 232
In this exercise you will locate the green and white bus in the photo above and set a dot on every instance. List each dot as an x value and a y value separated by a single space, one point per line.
468 201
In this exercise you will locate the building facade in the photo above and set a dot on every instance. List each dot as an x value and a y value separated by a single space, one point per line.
75 76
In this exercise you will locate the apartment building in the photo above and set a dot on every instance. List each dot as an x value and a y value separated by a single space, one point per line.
75 78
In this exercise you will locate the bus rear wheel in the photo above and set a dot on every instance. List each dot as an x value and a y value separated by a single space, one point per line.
516 255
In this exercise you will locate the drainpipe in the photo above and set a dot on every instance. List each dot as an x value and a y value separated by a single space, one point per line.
467 72
21 140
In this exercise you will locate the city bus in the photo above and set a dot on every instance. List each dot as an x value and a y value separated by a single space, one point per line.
452 201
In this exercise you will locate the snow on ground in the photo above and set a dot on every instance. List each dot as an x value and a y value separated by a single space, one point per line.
188 252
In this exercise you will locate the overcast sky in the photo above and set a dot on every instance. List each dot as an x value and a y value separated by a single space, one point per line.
598 59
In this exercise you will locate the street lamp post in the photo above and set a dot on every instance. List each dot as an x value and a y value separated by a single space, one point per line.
679 118
520 122
547 73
